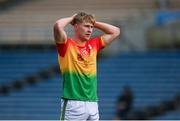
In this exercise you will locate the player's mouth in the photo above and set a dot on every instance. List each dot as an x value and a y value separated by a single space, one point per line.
88 34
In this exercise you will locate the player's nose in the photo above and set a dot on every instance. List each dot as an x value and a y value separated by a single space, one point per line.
89 31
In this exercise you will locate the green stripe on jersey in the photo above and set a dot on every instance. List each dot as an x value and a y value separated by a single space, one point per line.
79 87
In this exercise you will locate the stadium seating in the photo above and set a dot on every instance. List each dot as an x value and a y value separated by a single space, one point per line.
152 76
17 65
34 19
173 115
41 101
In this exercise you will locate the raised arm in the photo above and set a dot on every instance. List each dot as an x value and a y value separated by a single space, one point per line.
111 32
59 33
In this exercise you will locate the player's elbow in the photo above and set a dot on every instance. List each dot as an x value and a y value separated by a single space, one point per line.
117 32
58 25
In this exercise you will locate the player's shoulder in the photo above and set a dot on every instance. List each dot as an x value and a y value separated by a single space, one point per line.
69 40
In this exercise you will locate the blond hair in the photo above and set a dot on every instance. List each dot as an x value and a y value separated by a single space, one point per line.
83 17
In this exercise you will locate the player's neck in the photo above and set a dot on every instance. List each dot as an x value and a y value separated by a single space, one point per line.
79 41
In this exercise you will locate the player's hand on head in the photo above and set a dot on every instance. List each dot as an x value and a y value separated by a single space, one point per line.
73 16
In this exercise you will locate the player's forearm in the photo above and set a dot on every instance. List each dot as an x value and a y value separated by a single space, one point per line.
107 28
61 23
59 33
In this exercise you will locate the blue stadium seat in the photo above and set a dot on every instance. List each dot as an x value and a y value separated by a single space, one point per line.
173 115
41 101
17 65
153 77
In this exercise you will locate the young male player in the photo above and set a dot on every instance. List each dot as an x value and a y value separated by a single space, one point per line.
77 60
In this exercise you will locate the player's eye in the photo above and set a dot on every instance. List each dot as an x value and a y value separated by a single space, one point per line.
87 26
92 27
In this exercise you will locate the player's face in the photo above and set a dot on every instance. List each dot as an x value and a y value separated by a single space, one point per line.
84 30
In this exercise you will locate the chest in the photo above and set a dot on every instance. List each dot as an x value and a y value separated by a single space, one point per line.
86 53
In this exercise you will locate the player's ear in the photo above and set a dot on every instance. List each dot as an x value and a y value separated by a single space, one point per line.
75 26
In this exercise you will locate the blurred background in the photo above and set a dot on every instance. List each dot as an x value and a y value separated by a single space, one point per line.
138 74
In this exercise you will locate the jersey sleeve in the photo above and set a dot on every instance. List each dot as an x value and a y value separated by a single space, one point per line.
62 48
100 43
